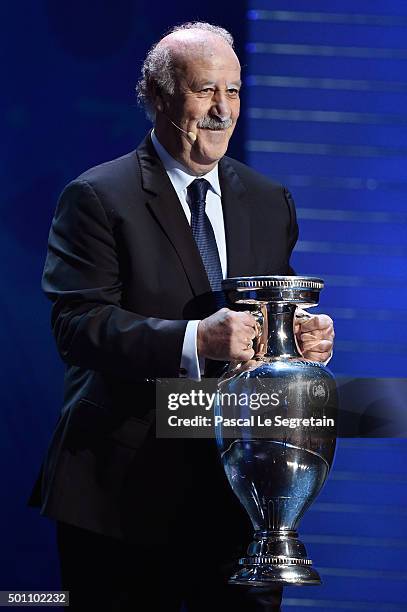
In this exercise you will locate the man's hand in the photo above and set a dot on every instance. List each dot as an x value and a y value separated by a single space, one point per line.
315 336
227 336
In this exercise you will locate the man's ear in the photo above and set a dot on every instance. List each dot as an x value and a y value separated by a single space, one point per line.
158 100
159 104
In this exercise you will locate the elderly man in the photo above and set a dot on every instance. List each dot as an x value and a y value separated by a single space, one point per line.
137 250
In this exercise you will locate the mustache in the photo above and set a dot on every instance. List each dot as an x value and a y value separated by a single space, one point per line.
212 123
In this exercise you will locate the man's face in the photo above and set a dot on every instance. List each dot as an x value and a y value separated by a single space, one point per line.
206 102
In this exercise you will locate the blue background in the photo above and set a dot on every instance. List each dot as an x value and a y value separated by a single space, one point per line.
323 111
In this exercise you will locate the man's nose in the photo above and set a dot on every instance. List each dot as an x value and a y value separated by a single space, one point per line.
221 106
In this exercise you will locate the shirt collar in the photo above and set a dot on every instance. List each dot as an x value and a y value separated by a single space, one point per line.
180 176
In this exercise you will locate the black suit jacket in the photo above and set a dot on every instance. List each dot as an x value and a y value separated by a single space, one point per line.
124 275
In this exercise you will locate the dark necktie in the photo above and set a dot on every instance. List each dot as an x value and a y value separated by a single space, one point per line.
202 231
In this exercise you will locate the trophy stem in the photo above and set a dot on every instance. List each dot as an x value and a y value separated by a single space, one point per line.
277 339
276 556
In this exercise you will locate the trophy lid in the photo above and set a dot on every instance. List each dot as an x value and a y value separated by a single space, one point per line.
302 290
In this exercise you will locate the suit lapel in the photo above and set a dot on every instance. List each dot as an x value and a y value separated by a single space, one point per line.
166 208
237 217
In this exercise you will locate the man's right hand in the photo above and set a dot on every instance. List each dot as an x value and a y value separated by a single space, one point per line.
227 336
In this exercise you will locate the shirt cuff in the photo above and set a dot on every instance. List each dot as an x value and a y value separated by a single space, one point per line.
191 365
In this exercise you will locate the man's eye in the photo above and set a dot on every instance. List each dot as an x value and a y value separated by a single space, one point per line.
207 89
233 92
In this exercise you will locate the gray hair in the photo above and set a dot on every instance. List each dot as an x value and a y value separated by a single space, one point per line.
157 72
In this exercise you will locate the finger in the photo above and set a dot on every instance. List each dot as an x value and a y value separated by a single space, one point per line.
322 346
246 331
258 328
318 334
316 322
242 319
241 346
244 355
247 318
245 335
313 356
247 343
300 312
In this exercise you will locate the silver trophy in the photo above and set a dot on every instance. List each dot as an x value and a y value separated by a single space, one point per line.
276 471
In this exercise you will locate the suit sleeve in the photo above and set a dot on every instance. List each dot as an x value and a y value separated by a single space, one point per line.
82 278
293 228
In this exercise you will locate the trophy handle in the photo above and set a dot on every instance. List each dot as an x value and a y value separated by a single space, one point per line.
302 315
261 338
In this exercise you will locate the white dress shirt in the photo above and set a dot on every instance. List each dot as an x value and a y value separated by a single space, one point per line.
181 178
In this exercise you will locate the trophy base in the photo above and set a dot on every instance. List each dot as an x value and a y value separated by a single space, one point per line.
276 556
279 573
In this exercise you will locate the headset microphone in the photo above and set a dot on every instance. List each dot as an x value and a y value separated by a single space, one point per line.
191 135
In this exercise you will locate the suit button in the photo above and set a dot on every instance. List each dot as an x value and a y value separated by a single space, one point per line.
182 372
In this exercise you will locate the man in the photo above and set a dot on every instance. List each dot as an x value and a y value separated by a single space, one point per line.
134 262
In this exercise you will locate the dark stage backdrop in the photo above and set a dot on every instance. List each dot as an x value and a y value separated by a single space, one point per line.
323 111
326 115
69 73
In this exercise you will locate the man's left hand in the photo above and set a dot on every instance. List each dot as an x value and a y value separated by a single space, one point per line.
315 336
